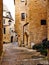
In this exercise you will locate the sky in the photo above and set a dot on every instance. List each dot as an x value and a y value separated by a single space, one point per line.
10 6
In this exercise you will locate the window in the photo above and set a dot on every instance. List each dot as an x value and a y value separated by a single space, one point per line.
4 30
3 21
9 23
22 0
43 22
22 16
12 30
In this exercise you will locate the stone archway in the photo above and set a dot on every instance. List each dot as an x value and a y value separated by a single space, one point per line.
1 27
11 38
26 39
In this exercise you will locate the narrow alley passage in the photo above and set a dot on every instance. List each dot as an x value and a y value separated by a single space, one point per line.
18 56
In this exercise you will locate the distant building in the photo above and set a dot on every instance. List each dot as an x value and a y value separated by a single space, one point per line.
32 17
8 26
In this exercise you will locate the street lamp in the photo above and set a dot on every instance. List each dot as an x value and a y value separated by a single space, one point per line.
23 30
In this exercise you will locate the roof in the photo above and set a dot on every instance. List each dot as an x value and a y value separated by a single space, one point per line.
8 18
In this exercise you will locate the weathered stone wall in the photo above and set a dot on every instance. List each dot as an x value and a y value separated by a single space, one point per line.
1 35
7 35
20 8
48 20
48 26
36 10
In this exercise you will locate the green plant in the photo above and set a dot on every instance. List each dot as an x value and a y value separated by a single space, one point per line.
42 47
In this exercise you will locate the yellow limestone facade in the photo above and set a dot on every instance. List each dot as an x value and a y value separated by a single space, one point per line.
1 26
48 26
35 14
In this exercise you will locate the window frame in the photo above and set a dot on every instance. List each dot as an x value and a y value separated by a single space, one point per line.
43 22
22 16
4 30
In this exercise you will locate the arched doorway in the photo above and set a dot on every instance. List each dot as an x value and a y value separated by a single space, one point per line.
26 39
11 38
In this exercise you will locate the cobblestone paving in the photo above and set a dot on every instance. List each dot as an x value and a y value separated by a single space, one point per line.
14 56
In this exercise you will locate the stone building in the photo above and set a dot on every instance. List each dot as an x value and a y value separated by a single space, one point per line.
1 26
48 26
8 26
31 21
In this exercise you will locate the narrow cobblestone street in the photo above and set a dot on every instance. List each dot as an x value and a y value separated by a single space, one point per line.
17 56
24 32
